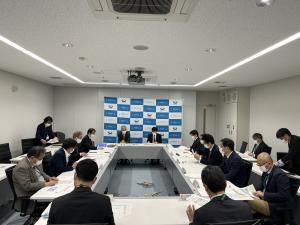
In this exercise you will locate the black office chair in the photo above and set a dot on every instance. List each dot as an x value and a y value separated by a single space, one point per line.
24 201
280 155
248 222
47 162
61 136
248 166
27 144
243 147
5 154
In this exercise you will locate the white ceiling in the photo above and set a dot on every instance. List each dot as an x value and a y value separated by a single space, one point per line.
236 28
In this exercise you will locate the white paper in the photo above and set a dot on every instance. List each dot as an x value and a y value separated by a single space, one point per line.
121 210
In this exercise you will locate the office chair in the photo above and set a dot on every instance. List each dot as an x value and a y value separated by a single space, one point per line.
280 155
47 162
248 166
5 154
248 222
243 147
24 201
60 135
27 144
81 224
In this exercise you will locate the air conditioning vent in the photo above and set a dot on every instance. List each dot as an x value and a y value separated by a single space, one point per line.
143 10
142 6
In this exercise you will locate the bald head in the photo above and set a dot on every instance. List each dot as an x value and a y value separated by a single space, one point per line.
265 160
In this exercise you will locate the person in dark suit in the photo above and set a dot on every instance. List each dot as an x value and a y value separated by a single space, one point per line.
211 154
44 131
76 155
88 142
220 208
292 159
154 137
196 147
60 161
274 190
82 205
259 146
123 135
233 165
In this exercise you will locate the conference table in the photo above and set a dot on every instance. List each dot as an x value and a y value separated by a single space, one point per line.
181 166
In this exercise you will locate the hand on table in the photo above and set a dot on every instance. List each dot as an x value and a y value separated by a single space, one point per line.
53 178
51 183
258 194
43 141
190 211
197 156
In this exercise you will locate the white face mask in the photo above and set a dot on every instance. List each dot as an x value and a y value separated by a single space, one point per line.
263 169
124 132
255 142
202 142
206 146
78 140
48 124
39 162
284 141
92 136
193 137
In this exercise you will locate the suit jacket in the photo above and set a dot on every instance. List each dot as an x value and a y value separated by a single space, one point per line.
262 147
197 146
75 155
234 169
81 206
25 180
42 132
59 164
125 138
276 187
218 210
213 157
86 145
292 159
158 138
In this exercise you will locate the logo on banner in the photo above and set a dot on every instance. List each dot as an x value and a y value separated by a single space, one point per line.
175 102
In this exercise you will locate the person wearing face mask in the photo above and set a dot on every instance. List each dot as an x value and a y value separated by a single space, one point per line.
28 176
60 161
82 205
44 131
220 208
259 146
274 189
123 135
211 154
88 141
196 147
233 165
292 160
76 155
154 137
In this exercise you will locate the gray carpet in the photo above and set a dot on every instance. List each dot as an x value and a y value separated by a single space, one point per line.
124 181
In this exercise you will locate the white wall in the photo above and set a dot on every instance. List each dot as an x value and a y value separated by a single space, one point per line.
82 108
23 109
275 105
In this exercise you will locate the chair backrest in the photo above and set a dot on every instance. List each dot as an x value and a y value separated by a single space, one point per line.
5 154
269 150
248 166
9 175
280 155
60 135
243 147
27 144
248 222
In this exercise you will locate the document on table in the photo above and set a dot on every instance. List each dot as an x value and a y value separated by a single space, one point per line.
121 210
242 194
197 200
60 189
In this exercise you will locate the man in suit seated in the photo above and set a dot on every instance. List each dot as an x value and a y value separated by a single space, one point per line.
44 131
154 137
82 205
211 154
60 161
233 165
123 135
88 142
259 146
220 208
28 176
274 190
196 147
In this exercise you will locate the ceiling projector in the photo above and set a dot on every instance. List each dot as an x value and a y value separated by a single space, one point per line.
135 77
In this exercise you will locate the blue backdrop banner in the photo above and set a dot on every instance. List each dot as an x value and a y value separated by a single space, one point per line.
140 115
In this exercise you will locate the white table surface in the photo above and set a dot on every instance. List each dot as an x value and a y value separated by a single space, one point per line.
3 167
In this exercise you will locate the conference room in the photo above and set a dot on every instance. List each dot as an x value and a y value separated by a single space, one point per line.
161 112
